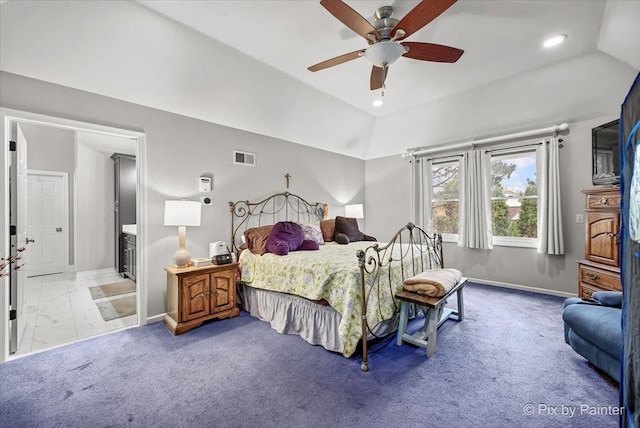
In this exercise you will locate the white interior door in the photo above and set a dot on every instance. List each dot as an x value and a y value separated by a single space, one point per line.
21 228
45 223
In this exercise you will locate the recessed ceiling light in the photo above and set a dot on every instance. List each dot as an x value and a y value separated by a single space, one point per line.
555 40
377 103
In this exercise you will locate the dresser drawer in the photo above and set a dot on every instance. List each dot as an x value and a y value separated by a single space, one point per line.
600 279
604 200
586 291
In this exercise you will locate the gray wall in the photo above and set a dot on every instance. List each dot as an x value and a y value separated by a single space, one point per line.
95 208
391 176
52 149
179 150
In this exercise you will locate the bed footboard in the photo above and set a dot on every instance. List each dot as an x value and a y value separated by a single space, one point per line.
383 269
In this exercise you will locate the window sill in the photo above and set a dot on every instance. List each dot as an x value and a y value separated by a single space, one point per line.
450 237
499 241
504 241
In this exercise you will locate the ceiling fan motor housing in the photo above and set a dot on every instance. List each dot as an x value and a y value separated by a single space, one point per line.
385 51
384 23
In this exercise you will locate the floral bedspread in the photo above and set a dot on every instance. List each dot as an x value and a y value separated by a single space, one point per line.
332 274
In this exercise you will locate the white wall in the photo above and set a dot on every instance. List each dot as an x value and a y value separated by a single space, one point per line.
511 265
52 149
570 91
95 209
109 48
179 150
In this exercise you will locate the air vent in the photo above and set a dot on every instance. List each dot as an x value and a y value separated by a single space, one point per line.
244 158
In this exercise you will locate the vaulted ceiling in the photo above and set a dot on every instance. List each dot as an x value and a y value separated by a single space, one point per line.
244 64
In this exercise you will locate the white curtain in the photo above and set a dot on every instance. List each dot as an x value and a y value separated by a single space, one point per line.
417 191
475 224
550 239
427 168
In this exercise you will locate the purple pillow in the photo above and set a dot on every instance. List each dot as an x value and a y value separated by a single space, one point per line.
308 245
285 236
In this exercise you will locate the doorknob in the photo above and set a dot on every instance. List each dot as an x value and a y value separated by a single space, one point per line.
30 240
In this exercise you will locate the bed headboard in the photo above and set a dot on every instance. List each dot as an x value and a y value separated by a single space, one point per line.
283 206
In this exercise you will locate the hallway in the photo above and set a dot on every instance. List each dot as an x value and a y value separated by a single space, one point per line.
60 310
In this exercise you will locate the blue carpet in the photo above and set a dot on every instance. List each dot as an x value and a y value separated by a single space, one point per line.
508 353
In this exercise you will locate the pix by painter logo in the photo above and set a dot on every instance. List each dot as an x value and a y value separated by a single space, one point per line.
544 409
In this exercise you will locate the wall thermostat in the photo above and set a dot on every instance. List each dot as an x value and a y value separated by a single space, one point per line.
205 184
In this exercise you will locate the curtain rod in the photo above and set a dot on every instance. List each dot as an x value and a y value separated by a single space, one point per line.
418 151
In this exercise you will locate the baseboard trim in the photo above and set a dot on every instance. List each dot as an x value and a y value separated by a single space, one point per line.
156 318
523 287
98 273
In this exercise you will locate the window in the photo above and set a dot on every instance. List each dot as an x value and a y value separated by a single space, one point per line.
514 199
445 198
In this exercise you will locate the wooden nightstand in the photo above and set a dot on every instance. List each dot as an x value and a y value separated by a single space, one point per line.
198 294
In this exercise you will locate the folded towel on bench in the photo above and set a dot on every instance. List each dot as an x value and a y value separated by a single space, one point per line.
433 283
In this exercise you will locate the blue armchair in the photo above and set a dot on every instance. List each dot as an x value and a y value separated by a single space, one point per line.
594 330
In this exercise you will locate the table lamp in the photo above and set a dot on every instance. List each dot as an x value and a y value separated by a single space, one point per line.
354 210
182 214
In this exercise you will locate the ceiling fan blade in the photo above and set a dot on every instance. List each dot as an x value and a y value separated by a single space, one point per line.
350 18
337 60
378 76
425 12
432 52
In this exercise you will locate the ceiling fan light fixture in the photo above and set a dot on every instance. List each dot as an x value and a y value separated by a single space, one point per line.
384 53
555 40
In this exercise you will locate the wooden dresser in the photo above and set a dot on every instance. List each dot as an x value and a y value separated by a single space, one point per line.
600 269
197 294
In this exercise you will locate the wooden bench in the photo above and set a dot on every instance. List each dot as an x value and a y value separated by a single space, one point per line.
435 313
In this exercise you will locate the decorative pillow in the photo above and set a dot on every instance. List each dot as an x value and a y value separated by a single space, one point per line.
308 245
348 227
284 237
341 238
312 232
328 228
256 238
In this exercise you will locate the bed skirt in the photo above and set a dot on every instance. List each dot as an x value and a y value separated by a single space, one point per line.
317 324
288 314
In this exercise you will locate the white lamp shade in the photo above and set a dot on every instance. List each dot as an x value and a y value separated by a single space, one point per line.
182 213
354 210
384 53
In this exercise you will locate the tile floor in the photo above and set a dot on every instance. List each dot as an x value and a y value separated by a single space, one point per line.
60 310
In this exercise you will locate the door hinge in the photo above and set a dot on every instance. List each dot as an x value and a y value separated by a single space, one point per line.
13 230
12 315
12 146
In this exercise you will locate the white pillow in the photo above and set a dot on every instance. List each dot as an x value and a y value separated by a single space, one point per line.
313 233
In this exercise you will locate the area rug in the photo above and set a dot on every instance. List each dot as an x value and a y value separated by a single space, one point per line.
117 308
115 289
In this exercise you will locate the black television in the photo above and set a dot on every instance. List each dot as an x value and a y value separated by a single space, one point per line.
605 153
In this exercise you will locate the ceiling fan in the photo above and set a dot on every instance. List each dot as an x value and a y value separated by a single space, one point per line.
385 35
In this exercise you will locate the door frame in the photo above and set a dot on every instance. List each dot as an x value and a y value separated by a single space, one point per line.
65 212
7 116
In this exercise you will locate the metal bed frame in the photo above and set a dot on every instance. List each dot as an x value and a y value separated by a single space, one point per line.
411 247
